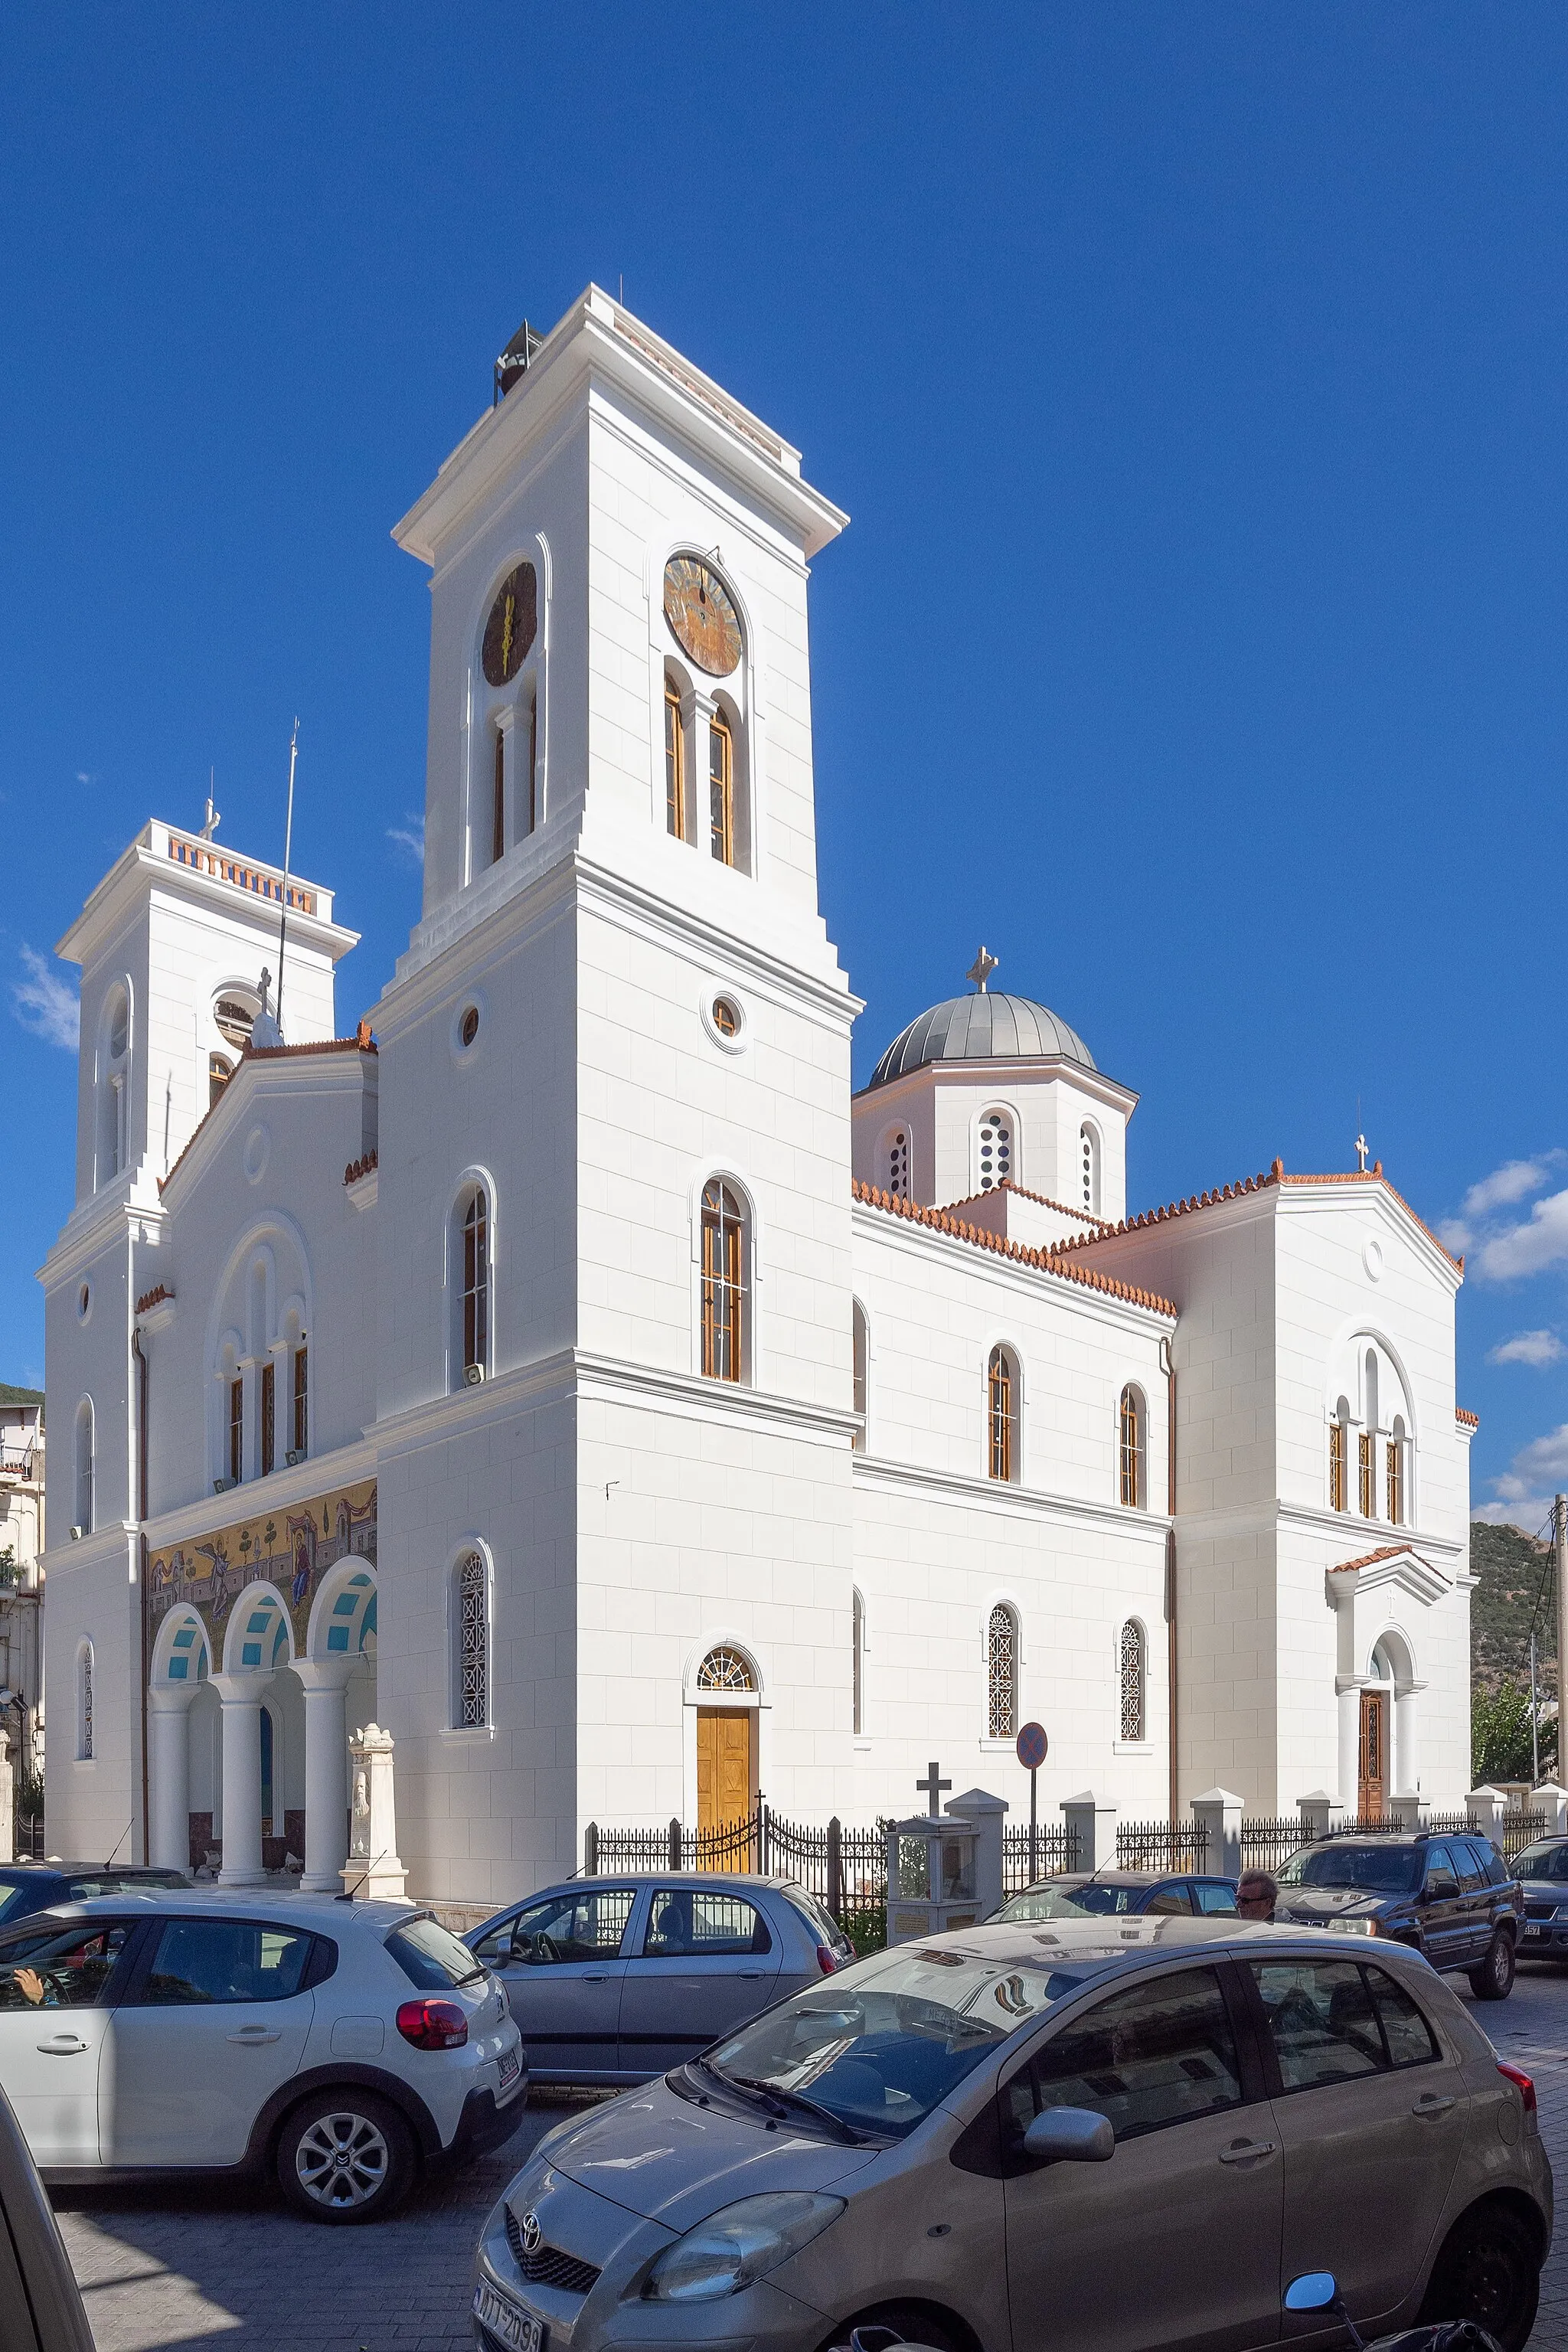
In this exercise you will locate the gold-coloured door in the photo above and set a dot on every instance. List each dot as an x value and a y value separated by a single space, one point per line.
725 1779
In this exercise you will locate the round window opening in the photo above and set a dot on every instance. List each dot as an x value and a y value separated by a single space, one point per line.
83 1301
469 1028
726 1020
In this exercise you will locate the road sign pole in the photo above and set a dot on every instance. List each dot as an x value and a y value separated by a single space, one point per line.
1031 1749
1033 1824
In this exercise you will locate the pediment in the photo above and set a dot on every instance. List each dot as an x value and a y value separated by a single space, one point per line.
1395 1564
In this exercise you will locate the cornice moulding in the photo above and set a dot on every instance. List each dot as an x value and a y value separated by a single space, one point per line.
1023 1502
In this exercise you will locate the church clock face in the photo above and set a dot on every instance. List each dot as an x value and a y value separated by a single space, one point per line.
697 606
512 625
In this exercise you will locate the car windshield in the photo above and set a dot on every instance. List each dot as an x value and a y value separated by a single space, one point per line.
1375 1869
1543 1862
432 1957
120 1881
1092 1899
10 1897
880 2044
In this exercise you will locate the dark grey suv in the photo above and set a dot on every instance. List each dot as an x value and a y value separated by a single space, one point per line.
1454 1898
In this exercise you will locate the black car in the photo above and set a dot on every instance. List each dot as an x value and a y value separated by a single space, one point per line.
1080 1894
36 1885
1542 1871
1452 1898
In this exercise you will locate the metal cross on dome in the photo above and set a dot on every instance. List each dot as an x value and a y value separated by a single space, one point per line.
1360 1153
981 970
933 1784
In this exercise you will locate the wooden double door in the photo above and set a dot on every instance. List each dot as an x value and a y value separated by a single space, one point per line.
1372 1795
726 1767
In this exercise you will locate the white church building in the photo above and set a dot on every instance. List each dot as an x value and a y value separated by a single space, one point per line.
567 1372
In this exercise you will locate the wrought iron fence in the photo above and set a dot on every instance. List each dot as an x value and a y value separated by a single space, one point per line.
1519 1830
845 1868
1162 1845
29 1837
1268 1840
1027 1858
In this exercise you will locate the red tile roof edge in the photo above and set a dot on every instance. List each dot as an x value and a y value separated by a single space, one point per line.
150 1298
1371 1558
361 1042
358 1168
1259 1183
1007 1185
1471 1420
1043 1261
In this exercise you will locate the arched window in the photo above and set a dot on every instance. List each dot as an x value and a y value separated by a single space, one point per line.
721 789
674 759
1396 1473
995 1149
497 797
861 1346
857 1635
471 1265
1367 1451
531 777
1338 1427
220 1069
723 1283
503 790
1088 1152
113 1086
471 1643
1002 1415
725 1669
84 1730
84 1452
899 1164
1133 1680
1131 1449
1001 1673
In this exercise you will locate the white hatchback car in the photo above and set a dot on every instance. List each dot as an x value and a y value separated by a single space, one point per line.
339 2045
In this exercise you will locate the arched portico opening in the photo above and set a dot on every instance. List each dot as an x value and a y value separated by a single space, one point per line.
337 1678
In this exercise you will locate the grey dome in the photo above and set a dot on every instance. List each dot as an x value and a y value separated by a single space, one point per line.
981 1028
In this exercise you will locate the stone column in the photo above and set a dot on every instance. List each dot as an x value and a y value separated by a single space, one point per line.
1095 1821
1350 1749
169 1771
325 1682
1219 1812
241 1697
1407 1738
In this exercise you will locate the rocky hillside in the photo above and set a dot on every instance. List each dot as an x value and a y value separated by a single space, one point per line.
1515 1585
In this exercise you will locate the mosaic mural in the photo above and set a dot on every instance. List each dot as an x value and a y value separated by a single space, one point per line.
292 1550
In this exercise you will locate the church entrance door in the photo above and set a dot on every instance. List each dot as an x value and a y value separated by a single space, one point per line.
726 1769
1373 1789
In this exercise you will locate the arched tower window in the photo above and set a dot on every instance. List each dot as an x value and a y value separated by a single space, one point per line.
1132 1663
471 1260
471 1643
83 1465
1339 1499
857 1636
84 1725
1002 1415
721 789
114 1086
996 1153
497 797
898 1148
220 1069
1395 1469
1366 1463
1089 1153
674 759
861 1346
1131 1449
725 1285
505 786
1001 1673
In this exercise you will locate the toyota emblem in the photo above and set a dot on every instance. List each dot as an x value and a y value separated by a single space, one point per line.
532 2233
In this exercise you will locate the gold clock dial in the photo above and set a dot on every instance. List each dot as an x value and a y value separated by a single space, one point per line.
697 606
512 625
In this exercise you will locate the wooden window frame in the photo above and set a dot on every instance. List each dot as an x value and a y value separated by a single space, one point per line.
723 1312
266 1391
721 790
1394 1467
1001 1417
674 762
1132 1448
1338 1486
1366 1476
476 1243
301 1400
237 1429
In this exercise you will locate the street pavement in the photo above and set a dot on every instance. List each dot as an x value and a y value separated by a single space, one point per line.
225 2270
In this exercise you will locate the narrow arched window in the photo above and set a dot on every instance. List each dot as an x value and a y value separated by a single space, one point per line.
723 1283
473 1253
471 1631
84 1728
1131 1449
533 760
1338 1488
721 789
860 1344
995 1149
220 1069
83 1465
235 1430
857 1636
899 1164
1002 1416
674 760
1133 1680
497 800
114 1078
1395 1466
1001 1673
1366 1449
1089 1150
300 1419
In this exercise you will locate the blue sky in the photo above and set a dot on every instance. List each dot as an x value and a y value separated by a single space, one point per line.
1194 377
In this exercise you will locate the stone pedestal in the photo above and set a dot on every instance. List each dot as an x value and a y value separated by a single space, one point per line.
1320 1813
1552 1800
1219 1812
372 1872
1094 1819
1485 1806
985 1811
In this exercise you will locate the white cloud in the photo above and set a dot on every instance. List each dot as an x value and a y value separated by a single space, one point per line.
83 778
45 1003
1528 1248
1524 1492
409 838
1516 1180
1504 1249
1529 1348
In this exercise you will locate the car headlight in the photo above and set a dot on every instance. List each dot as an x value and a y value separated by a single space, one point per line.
738 2245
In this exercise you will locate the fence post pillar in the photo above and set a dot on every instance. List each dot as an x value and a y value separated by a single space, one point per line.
1486 1807
675 1842
1092 1822
979 1806
763 1860
1552 1798
1218 1814
1321 1814
591 1850
1407 1812
835 1868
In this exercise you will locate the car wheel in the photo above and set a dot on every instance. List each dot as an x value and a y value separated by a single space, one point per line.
1493 1980
1490 2272
346 2156
911 2323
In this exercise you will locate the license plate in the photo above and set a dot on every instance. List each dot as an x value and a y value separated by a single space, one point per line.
1534 1931
510 2068
507 2322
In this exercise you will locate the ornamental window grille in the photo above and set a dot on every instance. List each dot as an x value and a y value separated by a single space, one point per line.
1001 1673
476 1282
1002 1416
266 1416
84 1704
1368 1498
1338 1495
724 1669
1131 1449
723 1283
1133 1679
473 1644
995 1149
899 1164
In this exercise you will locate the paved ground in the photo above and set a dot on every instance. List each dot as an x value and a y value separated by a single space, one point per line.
216 2271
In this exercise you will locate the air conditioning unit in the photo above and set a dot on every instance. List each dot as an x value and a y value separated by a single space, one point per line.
296 1454
473 1374
77 1534
222 1485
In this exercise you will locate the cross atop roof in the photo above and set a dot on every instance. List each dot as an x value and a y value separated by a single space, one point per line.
981 970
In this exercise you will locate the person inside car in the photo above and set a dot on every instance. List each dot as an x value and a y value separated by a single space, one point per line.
1256 1894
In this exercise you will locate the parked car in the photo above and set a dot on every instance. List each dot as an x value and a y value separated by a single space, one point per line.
338 2045
36 1885
1082 1894
41 2307
1089 2137
613 1980
1542 1872
1454 1898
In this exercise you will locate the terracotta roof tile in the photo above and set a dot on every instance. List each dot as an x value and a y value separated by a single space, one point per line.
359 1042
150 1298
1260 1183
1043 1261
1370 1558
1471 1420
358 1168
1024 1193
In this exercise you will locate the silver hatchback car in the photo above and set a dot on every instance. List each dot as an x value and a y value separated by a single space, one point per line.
613 1980
1105 2135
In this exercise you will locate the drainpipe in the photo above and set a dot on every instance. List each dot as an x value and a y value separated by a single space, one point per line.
1168 1366
143 1376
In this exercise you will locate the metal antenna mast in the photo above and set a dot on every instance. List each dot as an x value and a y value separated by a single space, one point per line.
288 852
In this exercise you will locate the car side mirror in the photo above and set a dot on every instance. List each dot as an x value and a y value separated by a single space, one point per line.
1315 2291
1070 2136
